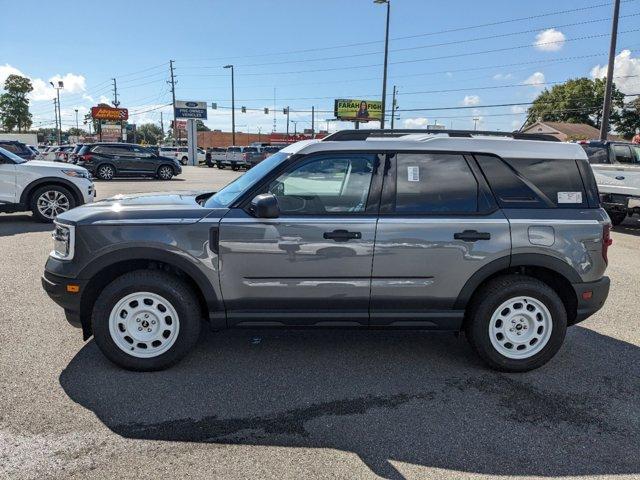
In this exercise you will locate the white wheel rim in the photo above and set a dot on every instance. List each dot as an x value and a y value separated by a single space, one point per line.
106 172
144 325
520 327
52 203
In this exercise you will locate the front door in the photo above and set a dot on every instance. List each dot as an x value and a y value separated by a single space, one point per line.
312 265
437 227
623 175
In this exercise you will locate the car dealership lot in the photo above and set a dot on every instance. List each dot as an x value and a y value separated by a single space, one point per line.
275 404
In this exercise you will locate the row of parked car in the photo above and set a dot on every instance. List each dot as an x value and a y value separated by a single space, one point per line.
236 157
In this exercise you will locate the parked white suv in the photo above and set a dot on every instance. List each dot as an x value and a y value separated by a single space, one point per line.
46 188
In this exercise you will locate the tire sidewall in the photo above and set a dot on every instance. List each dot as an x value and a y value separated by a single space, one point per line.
479 328
165 167
34 201
185 305
99 174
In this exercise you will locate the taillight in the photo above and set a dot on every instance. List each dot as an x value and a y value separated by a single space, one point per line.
86 157
606 241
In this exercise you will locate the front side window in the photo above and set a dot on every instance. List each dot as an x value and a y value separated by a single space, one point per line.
325 185
435 183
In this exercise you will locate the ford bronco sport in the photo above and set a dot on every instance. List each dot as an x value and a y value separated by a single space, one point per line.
501 238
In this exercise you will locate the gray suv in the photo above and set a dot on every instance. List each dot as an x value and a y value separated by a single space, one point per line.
503 239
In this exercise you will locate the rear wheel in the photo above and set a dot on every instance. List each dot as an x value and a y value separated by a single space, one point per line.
220 166
165 172
617 218
50 201
146 320
516 323
105 172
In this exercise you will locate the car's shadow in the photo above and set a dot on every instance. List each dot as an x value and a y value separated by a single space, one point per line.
134 180
630 226
16 224
407 397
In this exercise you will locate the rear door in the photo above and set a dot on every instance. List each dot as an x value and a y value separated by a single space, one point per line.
438 225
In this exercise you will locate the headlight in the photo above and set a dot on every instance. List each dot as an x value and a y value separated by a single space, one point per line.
63 241
76 173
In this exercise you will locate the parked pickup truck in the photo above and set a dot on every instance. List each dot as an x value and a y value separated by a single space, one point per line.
217 157
616 166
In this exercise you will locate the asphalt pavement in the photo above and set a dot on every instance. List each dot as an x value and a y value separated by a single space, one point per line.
305 404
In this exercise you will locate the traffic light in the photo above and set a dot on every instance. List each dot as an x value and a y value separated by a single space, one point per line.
266 111
214 106
285 110
244 109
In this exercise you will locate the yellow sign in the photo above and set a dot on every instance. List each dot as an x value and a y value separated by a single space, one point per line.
358 110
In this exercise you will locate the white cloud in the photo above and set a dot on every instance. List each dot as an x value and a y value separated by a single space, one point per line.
471 100
6 70
550 40
42 90
537 80
72 83
502 76
626 70
518 109
419 122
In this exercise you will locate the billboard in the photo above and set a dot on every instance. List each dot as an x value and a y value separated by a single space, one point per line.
191 109
109 113
358 110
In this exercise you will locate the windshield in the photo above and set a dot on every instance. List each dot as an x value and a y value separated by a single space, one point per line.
11 156
230 193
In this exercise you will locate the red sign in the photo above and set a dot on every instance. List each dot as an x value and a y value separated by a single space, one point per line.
109 113
276 138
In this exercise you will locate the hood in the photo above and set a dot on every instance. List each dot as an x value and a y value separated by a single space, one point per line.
150 208
56 165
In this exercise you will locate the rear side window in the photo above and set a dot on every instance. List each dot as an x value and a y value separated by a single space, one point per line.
534 183
435 183
596 154
623 154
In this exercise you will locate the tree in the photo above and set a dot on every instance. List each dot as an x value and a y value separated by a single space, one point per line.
77 132
575 101
14 104
150 133
201 127
629 119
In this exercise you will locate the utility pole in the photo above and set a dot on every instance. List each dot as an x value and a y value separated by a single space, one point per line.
295 127
475 123
77 124
606 108
233 106
386 60
313 121
287 122
393 107
59 118
162 126
116 102
173 97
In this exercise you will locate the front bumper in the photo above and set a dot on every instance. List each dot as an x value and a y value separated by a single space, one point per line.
56 288
588 306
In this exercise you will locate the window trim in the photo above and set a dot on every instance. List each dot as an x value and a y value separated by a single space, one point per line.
373 200
388 200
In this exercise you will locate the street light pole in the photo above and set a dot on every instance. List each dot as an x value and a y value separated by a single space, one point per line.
233 107
77 124
386 60
606 108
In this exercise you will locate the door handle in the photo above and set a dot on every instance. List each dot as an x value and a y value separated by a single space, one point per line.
472 236
342 235
620 177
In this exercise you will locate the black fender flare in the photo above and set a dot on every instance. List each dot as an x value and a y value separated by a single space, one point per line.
517 260
149 253
28 190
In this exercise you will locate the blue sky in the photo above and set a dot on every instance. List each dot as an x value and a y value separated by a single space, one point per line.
312 52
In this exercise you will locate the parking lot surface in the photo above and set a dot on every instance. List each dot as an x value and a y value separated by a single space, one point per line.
305 404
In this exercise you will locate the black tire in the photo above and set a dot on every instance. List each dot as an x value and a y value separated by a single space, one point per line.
64 199
172 289
493 295
235 168
220 166
165 172
617 218
105 172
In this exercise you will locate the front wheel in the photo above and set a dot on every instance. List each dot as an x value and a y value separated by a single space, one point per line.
50 201
516 323
617 218
146 320
165 172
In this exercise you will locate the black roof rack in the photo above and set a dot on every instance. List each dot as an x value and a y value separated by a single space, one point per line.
355 135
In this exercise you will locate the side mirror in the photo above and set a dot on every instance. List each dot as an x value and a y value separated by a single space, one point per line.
265 205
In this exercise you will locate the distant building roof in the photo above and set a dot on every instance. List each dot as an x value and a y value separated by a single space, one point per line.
567 131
